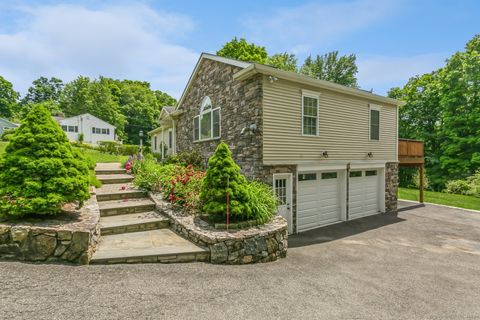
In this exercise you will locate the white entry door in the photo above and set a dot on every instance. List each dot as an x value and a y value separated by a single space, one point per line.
282 186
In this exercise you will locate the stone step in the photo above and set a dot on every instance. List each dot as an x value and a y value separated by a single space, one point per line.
126 206
119 191
110 171
114 178
162 245
134 222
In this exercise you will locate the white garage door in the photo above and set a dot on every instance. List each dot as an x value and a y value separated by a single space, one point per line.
319 199
363 193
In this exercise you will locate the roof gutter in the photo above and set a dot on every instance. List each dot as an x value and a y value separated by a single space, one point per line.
300 78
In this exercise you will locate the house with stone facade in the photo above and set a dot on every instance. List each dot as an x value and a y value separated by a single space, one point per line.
329 151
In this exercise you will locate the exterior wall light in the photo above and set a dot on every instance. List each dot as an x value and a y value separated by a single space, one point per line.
325 154
272 79
370 155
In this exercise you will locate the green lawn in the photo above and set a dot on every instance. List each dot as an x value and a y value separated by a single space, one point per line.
96 155
454 200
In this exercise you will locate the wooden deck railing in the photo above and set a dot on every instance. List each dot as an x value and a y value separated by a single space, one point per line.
410 152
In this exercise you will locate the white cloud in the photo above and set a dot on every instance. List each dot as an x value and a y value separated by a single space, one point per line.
132 42
304 26
381 73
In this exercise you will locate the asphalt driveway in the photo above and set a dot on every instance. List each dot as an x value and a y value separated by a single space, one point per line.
423 264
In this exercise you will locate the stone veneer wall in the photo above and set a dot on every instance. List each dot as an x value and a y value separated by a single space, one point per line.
391 187
262 243
53 240
241 106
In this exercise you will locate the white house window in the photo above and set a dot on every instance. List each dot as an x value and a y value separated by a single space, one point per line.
374 123
155 143
72 128
310 115
170 139
64 128
206 125
100 130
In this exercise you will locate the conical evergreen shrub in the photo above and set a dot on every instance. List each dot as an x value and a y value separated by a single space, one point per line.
40 170
223 175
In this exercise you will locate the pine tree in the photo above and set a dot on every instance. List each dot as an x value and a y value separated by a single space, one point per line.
40 170
223 175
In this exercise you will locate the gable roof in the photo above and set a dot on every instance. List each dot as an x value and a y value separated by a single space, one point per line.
233 62
89 115
255 68
251 68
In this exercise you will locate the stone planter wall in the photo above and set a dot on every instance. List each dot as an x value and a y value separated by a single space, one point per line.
263 243
71 237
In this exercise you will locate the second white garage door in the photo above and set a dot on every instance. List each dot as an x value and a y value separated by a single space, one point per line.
319 199
363 198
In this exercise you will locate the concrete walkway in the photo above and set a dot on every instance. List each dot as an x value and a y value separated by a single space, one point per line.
423 264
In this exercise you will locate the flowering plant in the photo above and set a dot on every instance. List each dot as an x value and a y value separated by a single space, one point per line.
184 188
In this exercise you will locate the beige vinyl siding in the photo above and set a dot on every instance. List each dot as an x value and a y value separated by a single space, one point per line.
343 127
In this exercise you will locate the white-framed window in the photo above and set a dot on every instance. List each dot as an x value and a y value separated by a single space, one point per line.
310 106
170 139
155 143
374 122
206 125
65 128
72 128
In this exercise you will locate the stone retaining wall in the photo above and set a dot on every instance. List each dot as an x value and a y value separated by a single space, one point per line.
263 243
71 237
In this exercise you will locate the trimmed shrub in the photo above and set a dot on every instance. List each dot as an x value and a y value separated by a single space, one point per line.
40 170
223 175
263 203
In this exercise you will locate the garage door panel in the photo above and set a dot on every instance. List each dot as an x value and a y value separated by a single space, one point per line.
363 195
318 202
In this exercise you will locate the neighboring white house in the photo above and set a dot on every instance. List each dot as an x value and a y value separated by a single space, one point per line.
93 128
162 138
5 125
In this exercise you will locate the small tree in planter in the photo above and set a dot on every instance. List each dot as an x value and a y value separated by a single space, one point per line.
223 175
40 170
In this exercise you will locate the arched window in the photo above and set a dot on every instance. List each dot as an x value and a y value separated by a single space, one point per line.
206 125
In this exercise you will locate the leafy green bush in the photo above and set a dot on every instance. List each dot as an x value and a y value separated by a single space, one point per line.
184 188
7 134
187 158
113 147
151 176
470 186
40 170
223 176
263 203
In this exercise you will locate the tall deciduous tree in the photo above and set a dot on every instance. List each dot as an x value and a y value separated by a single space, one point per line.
285 61
442 108
240 49
332 67
8 98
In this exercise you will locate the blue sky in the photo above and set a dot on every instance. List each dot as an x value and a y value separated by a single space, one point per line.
160 41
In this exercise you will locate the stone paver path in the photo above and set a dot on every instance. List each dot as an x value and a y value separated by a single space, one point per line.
132 231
